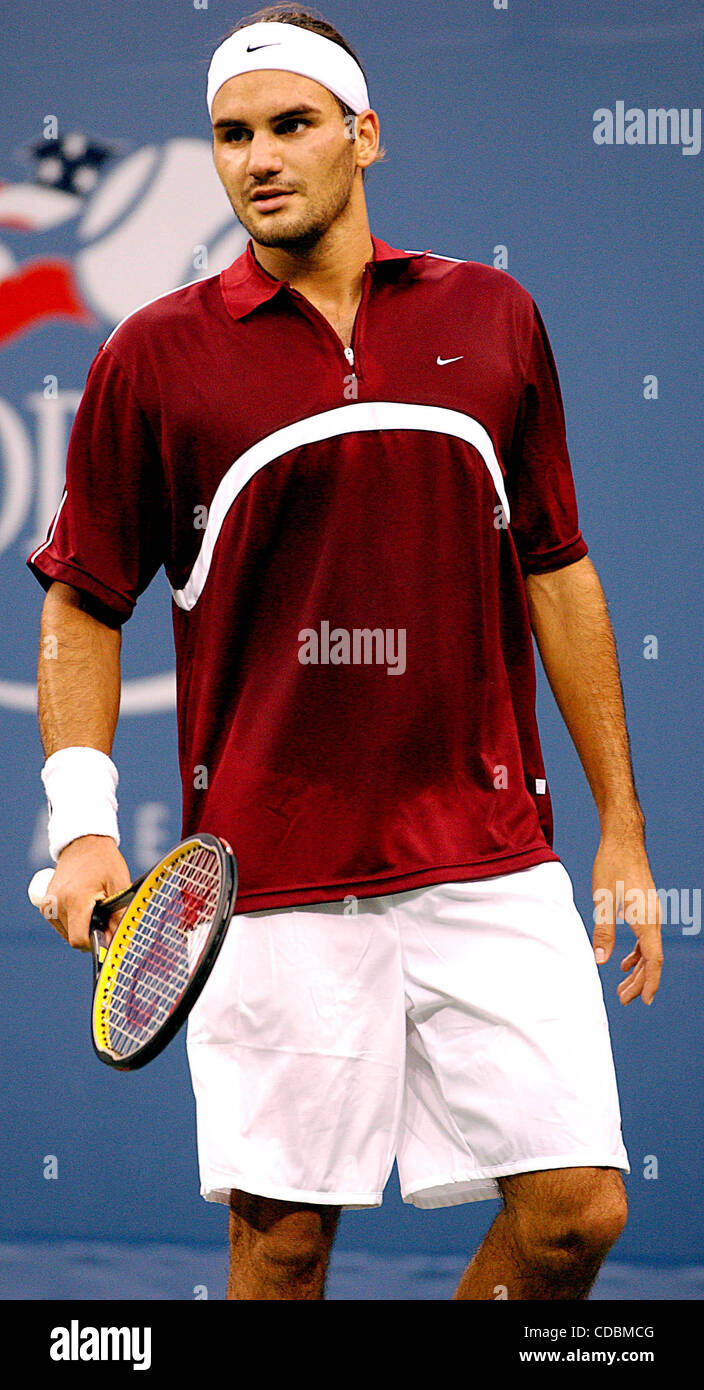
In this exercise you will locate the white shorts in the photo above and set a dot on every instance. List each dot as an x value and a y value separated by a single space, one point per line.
459 1029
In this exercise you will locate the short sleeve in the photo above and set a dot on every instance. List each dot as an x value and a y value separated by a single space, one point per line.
539 483
107 536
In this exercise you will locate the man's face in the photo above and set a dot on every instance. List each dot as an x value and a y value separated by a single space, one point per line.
276 130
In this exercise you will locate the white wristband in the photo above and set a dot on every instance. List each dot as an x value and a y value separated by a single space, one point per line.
80 784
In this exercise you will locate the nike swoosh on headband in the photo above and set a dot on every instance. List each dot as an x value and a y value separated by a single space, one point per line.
300 50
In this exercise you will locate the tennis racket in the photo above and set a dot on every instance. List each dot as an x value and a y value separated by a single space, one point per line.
163 950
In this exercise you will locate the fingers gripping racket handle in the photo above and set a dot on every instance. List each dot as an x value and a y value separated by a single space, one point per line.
101 914
100 917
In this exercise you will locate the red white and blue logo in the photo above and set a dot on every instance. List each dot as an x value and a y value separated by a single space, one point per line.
96 232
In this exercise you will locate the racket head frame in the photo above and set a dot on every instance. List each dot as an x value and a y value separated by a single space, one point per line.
102 952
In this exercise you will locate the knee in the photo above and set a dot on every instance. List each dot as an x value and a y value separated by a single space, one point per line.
279 1237
606 1218
580 1231
295 1244
586 1236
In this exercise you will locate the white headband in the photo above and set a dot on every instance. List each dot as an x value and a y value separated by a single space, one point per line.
288 48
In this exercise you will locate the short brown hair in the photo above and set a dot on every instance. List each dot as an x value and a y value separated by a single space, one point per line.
305 19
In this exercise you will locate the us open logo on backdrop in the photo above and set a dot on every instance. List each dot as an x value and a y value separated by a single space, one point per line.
94 235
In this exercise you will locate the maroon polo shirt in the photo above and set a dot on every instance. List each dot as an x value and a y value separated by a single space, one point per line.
346 536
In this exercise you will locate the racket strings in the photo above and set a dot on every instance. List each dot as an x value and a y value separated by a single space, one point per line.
162 948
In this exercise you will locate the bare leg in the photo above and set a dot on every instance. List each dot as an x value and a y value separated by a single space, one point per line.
278 1250
549 1241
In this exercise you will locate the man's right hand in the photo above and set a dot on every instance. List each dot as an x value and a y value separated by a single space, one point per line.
86 870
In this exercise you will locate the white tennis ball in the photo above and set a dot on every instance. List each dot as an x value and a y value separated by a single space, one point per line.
39 885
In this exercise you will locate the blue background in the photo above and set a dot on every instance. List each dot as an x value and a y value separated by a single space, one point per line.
487 119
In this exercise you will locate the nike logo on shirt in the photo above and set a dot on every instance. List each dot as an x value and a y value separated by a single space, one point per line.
443 361
253 48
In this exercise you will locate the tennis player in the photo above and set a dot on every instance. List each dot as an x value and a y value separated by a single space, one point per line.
351 461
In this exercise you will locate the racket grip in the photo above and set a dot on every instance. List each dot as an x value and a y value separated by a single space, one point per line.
98 946
37 889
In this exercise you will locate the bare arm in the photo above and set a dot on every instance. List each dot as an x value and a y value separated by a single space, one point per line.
78 675
79 699
578 651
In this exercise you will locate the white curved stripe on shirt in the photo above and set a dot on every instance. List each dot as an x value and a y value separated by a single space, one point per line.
436 256
346 419
203 280
54 525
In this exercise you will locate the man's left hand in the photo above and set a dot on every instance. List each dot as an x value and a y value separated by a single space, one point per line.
623 887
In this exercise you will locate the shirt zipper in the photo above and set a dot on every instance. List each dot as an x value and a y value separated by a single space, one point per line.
350 353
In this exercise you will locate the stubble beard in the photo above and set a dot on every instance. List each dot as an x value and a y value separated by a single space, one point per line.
304 231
